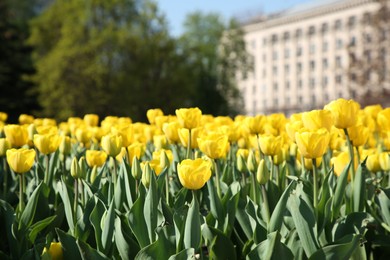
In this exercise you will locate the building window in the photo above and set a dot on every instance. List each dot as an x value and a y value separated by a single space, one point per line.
324 63
264 102
264 73
275 86
352 21
287 85
324 81
367 18
299 83
300 99
253 44
311 31
312 48
286 36
338 79
367 38
299 67
352 41
337 25
326 97
324 28
276 102
274 55
299 51
274 38
339 43
254 105
287 100
286 53
312 82
254 89
338 62
264 41
312 65
325 46
274 70
313 99
286 69
367 54
298 33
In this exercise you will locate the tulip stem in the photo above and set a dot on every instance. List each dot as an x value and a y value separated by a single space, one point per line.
167 185
265 201
217 178
46 177
21 192
254 191
5 183
188 156
76 197
351 155
114 175
315 184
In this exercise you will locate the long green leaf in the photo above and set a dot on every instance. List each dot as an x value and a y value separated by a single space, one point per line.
107 224
340 250
137 221
220 246
38 227
340 190
304 220
359 188
184 254
62 189
162 248
69 247
192 232
276 219
150 208
96 218
384 203
271 248
29 212
89 253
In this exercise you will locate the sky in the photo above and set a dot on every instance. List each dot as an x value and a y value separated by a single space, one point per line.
176 10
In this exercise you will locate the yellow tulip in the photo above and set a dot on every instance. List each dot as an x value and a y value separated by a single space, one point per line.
16 135
157 155
215 145
91 119
171 131
45 129
25 119
189 118
317 119
20 160
358 134
373 110
151 114
270 145
3 116
159 141
184 133
313 144
121 155
4 146
383 119
255 124
48 143
344 112
55 251
160 121
112 144
135 150
95 158
65 145
293 127
83 135
372 163
193 174
384 161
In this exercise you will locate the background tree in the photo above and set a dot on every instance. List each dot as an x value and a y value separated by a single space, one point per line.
216 51
369 71
106 57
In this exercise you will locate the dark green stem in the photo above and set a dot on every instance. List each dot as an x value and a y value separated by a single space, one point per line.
188 155
46 177
217 178
167 185
315 184
266 205
5 173
351 155
76 197
21 193
254 190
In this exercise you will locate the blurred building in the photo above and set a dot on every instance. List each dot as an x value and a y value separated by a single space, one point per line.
301 55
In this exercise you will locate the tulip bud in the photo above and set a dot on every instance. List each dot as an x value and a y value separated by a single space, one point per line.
82 167
241 164
65 145
93 174
136 168
251 163
262 174
4 146
31 130
75 169
384 161
146 175
197 154
164 161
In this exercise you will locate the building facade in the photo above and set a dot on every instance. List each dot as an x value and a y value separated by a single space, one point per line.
301 56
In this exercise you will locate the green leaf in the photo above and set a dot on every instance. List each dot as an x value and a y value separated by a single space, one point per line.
185 254
384 203
119 193
127 248
179 217
30 209
150 208
162 248
137 221
69 246
342 249
220 246
276 219
107 224
243 219
359 188
38 227
63 191
192 232
304 220
340 190
271 248
83 226
7 219
89 253
356 221
96 218
215 202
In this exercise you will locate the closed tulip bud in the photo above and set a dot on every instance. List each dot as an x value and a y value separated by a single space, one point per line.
93 174
65 145
31 130
146 175
112 144
372 163
358 134
251 163
82 167
159 141
151 114
241 166
164 160
75 168
262 174
55 251
4 146
384 161
136 171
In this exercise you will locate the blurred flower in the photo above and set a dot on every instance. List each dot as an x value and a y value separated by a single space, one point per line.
193 174
255 124
184 133
151 114
159 141
95 158
317 119
4 146
135 150
65 145
112 144
55 251
358 134
344 112
313 144
3 116
372 163
47 143
383 119
215 145
25 119
20 160
17 135
171 131
189 118
270 145
91 119
384 161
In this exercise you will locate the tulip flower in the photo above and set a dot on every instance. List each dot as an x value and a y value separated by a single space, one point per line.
112 144
270 145
313 144
193 174
383 119
171 131
95 158
151 114
20 160
16 135
344 112
372 163
25 119
317 119
255 124
135 150
91 119
384 161
4 146
189 118
3 116
55 251
358 135
47 143
215 145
